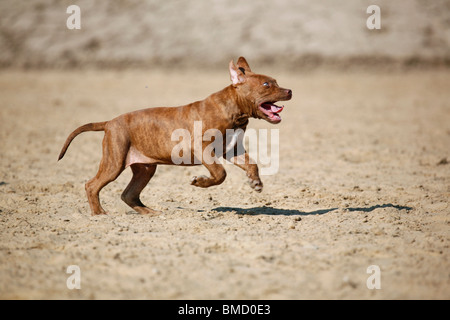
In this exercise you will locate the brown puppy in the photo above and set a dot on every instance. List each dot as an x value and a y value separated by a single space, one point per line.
143 139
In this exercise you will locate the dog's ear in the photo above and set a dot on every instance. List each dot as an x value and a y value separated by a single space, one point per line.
236 74
243 65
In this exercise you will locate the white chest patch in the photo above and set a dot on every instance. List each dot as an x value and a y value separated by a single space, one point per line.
134 156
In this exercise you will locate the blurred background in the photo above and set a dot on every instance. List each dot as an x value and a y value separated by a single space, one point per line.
287 34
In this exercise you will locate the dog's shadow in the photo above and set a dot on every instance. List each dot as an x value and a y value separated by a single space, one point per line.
264 210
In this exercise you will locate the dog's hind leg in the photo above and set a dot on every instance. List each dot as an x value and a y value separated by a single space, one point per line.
111 166
142 173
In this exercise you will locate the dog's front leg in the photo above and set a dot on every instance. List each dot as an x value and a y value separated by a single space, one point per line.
240 158
244 162
237 155
218 175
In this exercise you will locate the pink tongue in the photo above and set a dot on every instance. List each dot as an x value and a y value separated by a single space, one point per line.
275 108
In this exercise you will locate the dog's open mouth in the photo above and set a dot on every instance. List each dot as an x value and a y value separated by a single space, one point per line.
271 110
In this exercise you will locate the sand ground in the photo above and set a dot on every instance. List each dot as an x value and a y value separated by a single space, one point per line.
364 179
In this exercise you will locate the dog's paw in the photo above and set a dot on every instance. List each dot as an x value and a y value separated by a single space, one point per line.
256 185
198 181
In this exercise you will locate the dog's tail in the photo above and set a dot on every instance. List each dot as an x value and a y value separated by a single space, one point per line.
96 126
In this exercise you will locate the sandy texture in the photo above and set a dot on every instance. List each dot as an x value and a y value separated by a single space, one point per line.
364 180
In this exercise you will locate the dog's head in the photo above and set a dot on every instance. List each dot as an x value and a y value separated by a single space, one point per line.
258 92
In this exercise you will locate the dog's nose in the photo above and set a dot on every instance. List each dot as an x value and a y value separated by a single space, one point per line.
289 92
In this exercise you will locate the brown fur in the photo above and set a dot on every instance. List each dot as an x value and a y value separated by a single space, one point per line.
142 139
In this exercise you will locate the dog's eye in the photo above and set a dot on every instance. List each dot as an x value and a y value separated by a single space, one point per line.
266 84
